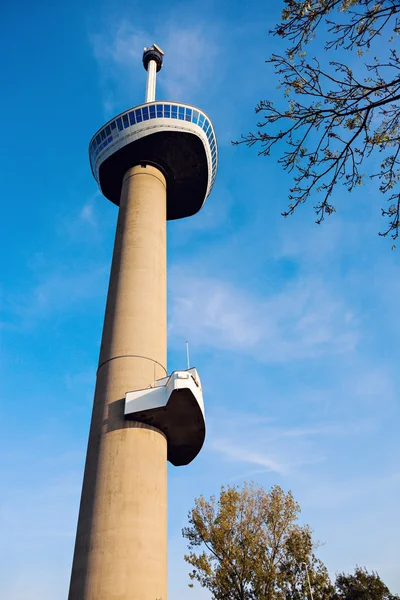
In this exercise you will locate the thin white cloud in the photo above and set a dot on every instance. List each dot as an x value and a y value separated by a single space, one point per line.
87 214
56 292
303 320
191 56
230 449
272 446
123 47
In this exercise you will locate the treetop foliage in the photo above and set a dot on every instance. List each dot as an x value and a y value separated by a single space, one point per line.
335 119
247 544
361 586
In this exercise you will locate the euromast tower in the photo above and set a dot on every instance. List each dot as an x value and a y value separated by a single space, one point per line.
157 162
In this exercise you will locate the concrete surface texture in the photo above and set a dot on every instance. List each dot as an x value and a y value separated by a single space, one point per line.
121 544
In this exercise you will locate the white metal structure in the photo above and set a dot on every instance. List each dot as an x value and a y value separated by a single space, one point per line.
174 405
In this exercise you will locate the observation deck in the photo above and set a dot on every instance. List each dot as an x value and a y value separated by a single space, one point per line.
177 138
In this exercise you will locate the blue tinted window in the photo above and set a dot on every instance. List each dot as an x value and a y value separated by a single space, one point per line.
109 139
108 130
159 110
138 114
206 124
201 120
181 113
93 144
174 112
145 111
188 114
119 124
195 116
167 110
113 125
132 119
152 111
103 135
98 138
125 119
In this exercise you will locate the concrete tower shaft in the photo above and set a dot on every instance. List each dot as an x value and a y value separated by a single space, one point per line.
121 543
156 161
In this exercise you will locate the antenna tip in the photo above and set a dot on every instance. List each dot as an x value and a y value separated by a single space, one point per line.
153 53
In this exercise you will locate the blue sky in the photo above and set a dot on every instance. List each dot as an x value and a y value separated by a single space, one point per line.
292 326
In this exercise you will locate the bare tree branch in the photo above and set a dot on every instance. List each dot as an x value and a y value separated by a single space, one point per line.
334 120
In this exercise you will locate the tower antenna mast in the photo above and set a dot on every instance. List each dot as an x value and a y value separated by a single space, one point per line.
152 61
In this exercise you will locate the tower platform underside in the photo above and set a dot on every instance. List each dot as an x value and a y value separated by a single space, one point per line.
180 156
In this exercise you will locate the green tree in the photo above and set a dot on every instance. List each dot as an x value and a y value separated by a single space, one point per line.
334 117
247 544
361 586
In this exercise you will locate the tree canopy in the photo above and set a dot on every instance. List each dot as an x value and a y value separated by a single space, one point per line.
361 586
339 118
248 545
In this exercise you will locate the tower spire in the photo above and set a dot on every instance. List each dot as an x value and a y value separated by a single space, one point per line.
152 62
